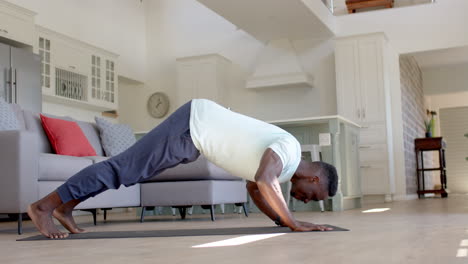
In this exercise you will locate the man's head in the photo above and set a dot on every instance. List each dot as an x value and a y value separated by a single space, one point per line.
314 181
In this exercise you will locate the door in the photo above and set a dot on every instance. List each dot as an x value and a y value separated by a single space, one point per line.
454 127
27 90
4 71
371 68
347 78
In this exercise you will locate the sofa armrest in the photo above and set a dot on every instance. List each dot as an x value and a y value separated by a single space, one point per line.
19 167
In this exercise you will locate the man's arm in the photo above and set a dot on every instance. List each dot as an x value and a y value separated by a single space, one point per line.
267 195
257 198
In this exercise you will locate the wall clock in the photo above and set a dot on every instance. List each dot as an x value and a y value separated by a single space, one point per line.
158 105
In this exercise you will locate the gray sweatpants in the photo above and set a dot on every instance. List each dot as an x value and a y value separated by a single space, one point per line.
166 146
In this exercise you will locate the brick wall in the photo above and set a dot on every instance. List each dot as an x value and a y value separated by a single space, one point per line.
414 114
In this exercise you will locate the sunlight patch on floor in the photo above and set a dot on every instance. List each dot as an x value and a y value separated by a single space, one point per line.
376 210
238 240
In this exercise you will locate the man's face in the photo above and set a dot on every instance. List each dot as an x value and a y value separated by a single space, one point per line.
308 190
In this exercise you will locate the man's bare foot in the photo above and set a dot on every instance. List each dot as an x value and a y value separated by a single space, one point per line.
63 213
42 219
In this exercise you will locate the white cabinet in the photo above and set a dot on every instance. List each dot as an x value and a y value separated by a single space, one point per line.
76 73
69 56
16 23
363 96
360 83
203 76
103 81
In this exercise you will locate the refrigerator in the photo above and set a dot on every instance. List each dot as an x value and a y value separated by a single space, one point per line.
20 77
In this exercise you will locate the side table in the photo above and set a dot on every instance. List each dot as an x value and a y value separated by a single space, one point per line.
422 145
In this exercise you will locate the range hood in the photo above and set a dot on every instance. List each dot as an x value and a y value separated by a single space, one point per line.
278 65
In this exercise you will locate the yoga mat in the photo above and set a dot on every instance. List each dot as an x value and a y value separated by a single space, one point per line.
179 233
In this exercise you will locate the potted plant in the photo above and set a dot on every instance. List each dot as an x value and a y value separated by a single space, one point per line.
429 123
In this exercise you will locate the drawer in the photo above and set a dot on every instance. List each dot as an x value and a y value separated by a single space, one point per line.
375 133
372 153
374 179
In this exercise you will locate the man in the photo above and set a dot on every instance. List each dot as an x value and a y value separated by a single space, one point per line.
263 154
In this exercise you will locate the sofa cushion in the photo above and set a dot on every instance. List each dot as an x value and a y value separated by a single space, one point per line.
66 137
122 197
201 169
33 123
192 193
59 167
97 159
115 138
92 134
8 120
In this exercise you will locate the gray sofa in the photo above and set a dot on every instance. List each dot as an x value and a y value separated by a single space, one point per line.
30 170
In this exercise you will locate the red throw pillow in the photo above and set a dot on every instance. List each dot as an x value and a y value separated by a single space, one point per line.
66 137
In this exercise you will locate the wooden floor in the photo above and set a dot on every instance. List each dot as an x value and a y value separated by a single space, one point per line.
419 231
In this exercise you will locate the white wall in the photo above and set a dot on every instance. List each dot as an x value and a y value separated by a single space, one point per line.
115 25
445 87
415 28
132 105
178 28
446 79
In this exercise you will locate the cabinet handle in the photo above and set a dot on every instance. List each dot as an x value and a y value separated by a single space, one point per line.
359 114
16 87
8 95
365 147
366 167
364 113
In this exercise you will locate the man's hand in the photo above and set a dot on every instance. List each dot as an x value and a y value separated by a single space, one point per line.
305 226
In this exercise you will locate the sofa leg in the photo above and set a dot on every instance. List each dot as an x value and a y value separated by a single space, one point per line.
182 212
20 223
105 212
142 217
245 210
244 207
212 208
94 212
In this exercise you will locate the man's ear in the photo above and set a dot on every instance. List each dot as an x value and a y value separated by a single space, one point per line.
314 179
294 178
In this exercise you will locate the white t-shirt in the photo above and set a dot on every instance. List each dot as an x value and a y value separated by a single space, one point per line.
236 142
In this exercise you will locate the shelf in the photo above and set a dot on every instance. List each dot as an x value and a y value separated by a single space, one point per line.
431 169
75 103
432 191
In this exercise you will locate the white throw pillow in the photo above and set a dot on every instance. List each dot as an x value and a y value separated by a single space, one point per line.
115 138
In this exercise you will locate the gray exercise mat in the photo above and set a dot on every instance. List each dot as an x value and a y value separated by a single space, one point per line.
179 233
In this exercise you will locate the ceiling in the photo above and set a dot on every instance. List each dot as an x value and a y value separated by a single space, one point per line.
268 20
443 57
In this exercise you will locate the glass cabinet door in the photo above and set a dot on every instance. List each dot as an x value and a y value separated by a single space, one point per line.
96 91
44 52
110 82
